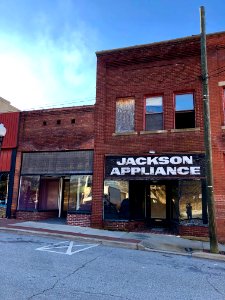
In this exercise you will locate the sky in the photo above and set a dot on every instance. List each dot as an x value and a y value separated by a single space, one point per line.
47 47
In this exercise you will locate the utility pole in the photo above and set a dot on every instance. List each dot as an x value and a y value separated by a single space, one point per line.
207 138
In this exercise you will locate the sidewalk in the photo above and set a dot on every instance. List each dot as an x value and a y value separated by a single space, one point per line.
132 240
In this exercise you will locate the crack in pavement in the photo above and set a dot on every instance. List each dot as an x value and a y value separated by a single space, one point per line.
63 278
212 285
102 294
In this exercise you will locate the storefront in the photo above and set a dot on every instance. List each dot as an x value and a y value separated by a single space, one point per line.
54 184
157 191
8 161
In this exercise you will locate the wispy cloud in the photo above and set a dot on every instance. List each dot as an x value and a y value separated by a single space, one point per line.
45 68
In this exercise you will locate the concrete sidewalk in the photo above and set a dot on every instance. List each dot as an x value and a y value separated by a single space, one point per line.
132 240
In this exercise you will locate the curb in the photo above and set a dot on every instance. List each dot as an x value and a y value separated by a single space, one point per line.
211 256
106 242
100 240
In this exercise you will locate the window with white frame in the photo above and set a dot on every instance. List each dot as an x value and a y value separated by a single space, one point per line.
154 113
184 111
125 115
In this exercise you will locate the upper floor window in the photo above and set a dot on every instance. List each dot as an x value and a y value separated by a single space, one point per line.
125 115
184 111
154 113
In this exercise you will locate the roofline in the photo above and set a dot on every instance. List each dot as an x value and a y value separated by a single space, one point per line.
59 108
157 43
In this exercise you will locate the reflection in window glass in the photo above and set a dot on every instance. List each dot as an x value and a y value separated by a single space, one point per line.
125 115
190 204
80 193
28 195
185 111
4 180
184 102
154 113
116 200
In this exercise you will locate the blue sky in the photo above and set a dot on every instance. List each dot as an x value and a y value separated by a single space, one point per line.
47 47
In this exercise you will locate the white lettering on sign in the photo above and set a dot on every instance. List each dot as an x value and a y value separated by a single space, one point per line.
176 165
162 160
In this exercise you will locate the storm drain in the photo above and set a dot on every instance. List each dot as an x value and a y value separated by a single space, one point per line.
189 250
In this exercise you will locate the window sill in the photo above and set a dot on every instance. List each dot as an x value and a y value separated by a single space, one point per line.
185 129
223 127
125 133
153 131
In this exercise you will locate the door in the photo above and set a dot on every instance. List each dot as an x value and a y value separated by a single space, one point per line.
156 204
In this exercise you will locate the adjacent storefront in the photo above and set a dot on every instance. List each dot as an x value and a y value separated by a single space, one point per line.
56 182
159 190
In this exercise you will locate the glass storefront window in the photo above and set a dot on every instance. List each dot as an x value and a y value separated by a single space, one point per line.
4 180
80 193
190 203
28 196
116 200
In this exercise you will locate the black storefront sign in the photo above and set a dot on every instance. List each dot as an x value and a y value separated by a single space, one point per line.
173 166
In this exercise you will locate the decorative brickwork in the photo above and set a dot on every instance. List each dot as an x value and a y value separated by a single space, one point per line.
36 215
79 220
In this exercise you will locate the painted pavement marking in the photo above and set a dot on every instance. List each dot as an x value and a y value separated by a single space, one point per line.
66 247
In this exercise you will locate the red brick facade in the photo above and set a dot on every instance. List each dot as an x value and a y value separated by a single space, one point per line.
82 220
36 215
62 129
159 69
162 69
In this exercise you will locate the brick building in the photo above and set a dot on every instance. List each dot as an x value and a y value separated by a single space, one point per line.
142 142
149 145
7 161
54 165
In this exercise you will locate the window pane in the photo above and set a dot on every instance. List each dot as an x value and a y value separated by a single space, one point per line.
4 179
49 194
154 122
184 102
125 115
190 203
80 193
154 105
185 119
116 200
28 195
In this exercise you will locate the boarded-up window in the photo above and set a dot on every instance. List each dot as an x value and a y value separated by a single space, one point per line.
125 115
52 163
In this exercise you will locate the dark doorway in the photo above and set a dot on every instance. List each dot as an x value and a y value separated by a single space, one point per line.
156 202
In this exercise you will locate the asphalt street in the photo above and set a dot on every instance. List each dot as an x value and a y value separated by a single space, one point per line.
34 267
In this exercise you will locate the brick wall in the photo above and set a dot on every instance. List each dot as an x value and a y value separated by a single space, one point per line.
158 69
75 131
79 220
124 225
36 215
200 231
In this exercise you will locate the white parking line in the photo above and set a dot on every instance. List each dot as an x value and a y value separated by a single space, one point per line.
69 247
